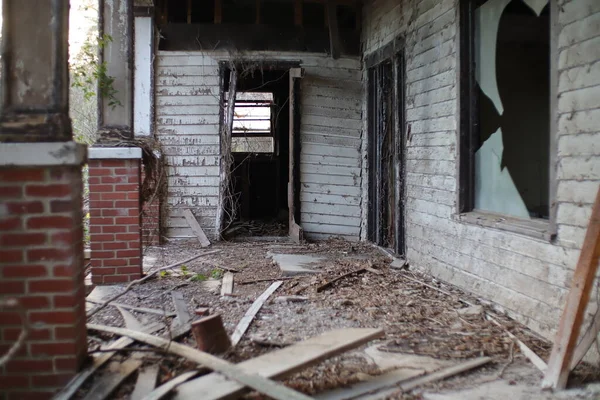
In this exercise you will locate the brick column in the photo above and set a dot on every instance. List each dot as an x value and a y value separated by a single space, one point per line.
41 265
115 214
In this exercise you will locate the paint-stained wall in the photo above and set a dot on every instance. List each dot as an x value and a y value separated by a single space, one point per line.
526 276
187 125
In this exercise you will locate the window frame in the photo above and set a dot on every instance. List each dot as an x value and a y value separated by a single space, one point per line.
468 134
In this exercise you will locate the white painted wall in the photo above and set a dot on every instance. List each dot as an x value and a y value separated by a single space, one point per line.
143 78
187 107
527 277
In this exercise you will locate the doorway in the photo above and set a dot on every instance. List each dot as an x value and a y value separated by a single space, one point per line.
385 115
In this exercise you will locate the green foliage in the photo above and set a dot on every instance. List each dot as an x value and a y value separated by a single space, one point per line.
184 270
216 273
164 274
90 75
199 278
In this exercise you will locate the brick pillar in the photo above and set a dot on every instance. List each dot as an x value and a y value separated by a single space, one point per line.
150 219
115 215
41 265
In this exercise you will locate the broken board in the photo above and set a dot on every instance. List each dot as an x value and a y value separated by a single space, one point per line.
195 226
165 388
107 383
278 364
146 382
247 319
227 284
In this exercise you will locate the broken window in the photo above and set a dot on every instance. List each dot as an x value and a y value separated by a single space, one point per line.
505 131
252 131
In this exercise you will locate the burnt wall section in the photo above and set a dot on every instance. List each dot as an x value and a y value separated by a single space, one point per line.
187 125
527 276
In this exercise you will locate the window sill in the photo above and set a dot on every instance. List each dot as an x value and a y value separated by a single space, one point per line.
536 227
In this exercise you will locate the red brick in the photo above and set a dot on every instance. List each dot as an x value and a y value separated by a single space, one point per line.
12 334
25 207
13 382
101 204
65 332
22 175
127 204
135 228
127 236
127 220
52 349
64 271
113 196
94 180
49 286
59 206
133 195
95 229
129 270
113 163
31 395
22 239
95 196
135 244
56 190
117 278
102 188
56 222
128 253
53 317
114 245
11 192
65 301
114 228
23 271
10 318
33 301
10 224
95 212
103 271
114 263
66 363
127 188
95 171
53 380
102 254
115 212
64 238
10 256
133 179
12 287
102 221
127 171
114 179
31 365
49 254
96 245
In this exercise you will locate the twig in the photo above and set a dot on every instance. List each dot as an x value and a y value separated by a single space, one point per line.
150 275
14 303
331 282
285 278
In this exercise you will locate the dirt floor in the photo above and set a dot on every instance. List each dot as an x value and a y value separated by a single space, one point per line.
438 323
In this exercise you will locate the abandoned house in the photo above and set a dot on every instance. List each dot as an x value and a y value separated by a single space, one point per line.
462 136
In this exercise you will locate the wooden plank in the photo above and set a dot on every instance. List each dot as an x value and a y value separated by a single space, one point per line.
559 365
587 340
435 376
165 388
138 309
195 226
181 309
71 388
295 230
334 33
146 382
256 382
279 364
131 322
107 383
247 319
227 284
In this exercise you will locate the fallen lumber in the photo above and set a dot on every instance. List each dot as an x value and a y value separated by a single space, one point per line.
327 285
137 309
106 384
145 278
403 275
165 388
247 319
181 309
131 322
146 382
413 383
283 278
196 228
227 284
71 388
569 327
587 340
279 364
256 382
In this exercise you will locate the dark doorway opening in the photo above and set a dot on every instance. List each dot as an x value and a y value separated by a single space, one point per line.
386 152
260 151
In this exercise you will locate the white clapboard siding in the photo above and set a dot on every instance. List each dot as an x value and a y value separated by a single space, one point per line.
187 125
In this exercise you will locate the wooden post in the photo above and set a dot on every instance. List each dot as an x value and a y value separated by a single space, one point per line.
557 373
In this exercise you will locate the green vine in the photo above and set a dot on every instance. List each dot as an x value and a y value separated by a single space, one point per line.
89 74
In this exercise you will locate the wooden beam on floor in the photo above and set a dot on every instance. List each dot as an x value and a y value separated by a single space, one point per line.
247 319
565 341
